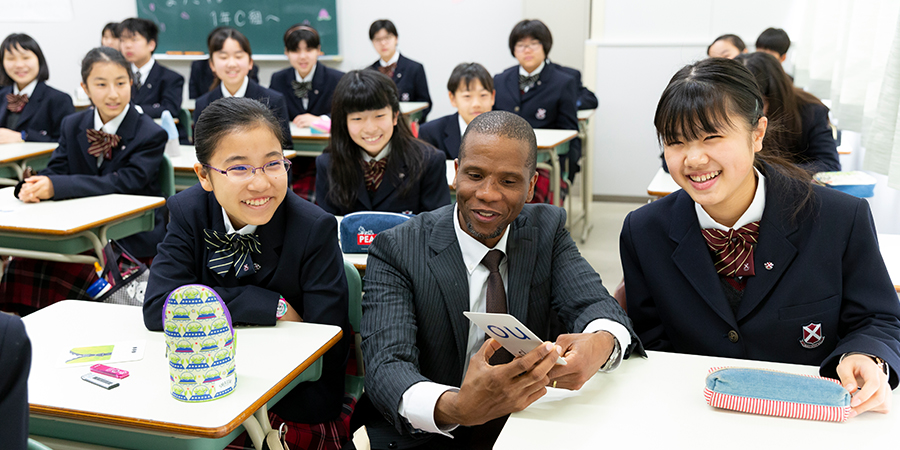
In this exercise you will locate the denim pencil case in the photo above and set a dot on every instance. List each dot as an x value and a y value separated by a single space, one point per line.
359 229
773 393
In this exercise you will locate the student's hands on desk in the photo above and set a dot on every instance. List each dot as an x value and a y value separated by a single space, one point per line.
859 370
585 354
305 120
36 188
489 392
291 315
8 136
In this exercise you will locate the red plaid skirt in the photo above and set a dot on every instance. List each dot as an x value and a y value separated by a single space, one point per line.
31 284
320 436
303 172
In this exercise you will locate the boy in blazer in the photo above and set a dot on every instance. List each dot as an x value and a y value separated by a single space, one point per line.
156 87
268 97
15 358
428 367
471 91
408 75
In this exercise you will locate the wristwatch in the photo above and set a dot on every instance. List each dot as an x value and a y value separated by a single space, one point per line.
878 361
282 308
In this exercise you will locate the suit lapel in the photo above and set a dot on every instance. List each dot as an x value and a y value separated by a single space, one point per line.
521 256
388 186
87 123
152 80
3 104
449 271
693 260
399 70
34 103
271 238
217 223
362 194
512 86
451 135
317 83
545 77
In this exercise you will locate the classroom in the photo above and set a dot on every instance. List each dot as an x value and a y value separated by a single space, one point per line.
448 224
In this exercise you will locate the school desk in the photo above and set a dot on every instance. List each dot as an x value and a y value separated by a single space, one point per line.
587 170
413 110
890 251
662 184
141 413
60 230
658 403
551 144
184 166
189 104
16 156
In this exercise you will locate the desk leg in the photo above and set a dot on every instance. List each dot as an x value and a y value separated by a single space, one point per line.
258 426
555 174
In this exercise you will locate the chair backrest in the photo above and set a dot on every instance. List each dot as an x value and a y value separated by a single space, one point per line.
354 284
167 177
35 445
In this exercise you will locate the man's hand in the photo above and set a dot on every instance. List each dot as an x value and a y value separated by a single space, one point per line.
875 395
304 120
585 354
489 392
35 189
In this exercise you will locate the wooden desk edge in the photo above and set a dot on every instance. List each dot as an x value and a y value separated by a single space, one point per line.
89 226
27 156
211 433
657 193
415 110
561 141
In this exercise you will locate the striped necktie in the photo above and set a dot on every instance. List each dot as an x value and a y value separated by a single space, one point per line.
526 82
16 103
496 298
388 69
301 88
231 250
733 249
102 143
373 172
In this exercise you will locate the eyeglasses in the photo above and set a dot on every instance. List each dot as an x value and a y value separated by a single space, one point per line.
533 45
244 172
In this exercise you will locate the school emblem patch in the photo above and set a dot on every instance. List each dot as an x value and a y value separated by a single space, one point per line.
541 114
404 97
769 265
812 336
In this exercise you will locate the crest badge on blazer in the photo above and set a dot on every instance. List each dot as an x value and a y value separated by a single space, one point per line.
812 336
404 97
541 114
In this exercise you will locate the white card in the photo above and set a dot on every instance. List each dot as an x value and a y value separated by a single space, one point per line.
104 353
507 330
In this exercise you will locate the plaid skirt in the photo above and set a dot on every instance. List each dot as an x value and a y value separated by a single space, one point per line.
32 284
303 173
302 436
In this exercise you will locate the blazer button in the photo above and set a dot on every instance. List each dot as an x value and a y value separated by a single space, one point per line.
392 445
516 109
733 336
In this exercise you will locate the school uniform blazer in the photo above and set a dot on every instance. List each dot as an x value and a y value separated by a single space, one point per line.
586 98
323 83
15 359
300 260
202 77
443 134
161 91
816 149
268 97
133 169
41 119
413 328
409 76
432 192
825 269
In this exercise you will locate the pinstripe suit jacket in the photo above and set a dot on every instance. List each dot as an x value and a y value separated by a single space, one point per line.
413 328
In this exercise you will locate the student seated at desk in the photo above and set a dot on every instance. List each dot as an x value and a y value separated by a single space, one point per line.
726 46
775 42
471 91
805 131
202 79
29 109
109 149
750 260
408 75
373 163
109 37
294 268
15 359
231 60
156 87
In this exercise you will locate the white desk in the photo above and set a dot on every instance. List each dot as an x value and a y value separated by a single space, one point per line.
413 110
183 165
662 184
551 143
142 409
658 403
307 143
16 156
890 251
61 230
189 104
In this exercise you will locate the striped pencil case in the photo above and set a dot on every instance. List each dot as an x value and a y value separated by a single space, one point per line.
772 393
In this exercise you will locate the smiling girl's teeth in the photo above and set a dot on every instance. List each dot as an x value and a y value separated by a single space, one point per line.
705 177
257 202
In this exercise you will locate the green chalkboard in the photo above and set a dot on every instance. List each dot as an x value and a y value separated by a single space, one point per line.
184 24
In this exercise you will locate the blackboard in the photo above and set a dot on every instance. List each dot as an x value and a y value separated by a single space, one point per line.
184 24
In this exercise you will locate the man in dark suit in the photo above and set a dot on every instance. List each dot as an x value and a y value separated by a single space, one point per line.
428 369
15 359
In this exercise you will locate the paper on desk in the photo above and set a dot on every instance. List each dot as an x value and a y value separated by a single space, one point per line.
107 353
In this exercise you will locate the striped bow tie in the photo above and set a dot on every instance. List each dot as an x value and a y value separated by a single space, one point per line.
231 250
527 82
373 172
733 249
301 88
388 69
16 103
102 143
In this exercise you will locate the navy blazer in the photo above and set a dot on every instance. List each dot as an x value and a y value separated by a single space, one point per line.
41 119
413 328
301 260
323 83
432 192
202 78
550 103
816 149
161 92
409 76
133 169
268 97
443 134
586 98
15 359
824 269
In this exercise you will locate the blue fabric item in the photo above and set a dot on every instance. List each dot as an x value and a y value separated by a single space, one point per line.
778 386
857 190
360 228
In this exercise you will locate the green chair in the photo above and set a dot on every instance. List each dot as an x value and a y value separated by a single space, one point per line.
184 119
353 384
167 177
35 445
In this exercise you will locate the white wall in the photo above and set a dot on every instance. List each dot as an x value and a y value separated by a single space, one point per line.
569 21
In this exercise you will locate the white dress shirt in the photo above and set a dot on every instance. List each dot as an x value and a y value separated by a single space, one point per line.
393 59
229 228
145 71
462 126
309 78
28 90
536 71
753 213
240 92
381 155
110 127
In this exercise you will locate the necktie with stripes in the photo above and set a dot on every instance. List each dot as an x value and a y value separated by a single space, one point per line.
733 249
231 250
